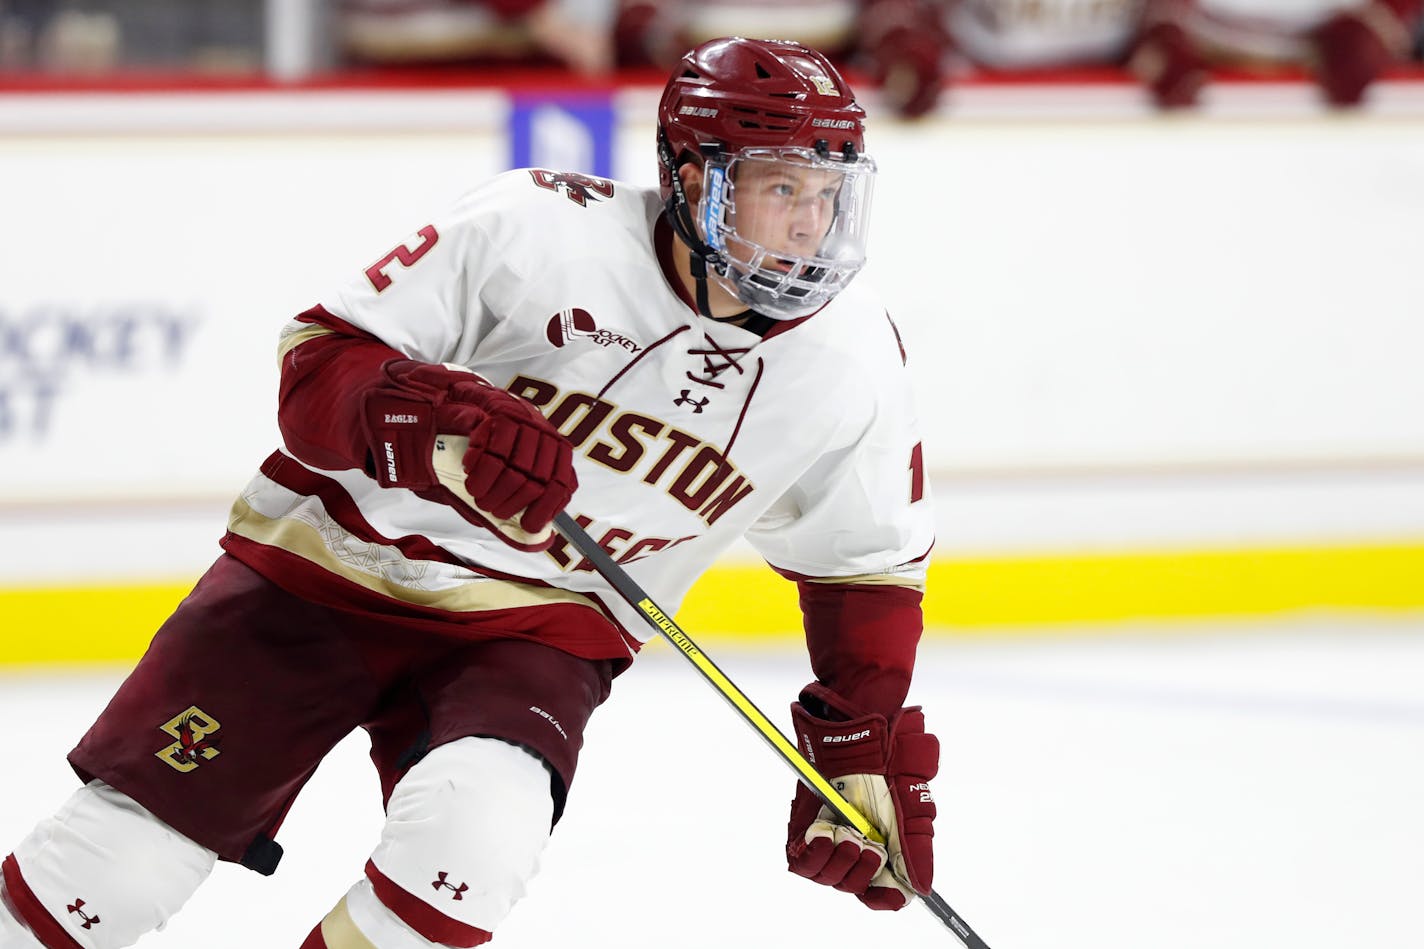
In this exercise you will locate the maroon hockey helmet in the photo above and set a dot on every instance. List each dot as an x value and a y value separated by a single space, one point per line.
734 93
736 104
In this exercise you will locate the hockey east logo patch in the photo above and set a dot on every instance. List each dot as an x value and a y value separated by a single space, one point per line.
575 323
193 728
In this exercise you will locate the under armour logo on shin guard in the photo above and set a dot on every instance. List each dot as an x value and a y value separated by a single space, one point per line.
78 907
440 883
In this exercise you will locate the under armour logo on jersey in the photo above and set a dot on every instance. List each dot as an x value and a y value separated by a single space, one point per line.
687 399
77 907
439 883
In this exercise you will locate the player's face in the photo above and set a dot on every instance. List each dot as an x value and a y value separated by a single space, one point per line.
784 207
786 227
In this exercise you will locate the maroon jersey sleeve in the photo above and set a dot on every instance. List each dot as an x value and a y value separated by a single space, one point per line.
320 394
862 640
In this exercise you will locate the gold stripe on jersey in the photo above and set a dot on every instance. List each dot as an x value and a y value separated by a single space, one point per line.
338 930
292 338
304 540
874 580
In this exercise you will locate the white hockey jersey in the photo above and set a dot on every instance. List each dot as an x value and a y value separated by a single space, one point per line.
688 433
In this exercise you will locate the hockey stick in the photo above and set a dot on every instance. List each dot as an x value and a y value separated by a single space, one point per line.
660 621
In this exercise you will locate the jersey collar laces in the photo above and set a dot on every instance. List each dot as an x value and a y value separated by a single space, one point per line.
709 376
711 370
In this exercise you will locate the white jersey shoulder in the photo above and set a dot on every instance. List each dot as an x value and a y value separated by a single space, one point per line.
553 211
525 233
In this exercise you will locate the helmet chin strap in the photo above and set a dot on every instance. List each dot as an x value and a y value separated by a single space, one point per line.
678 210
679 213
699 274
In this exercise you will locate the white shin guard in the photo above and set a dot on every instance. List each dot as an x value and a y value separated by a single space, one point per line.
105 861
463 835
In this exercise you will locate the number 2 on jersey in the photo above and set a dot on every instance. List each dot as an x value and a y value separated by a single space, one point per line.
376 273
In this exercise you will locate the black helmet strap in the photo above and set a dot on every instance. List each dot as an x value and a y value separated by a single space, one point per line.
679 213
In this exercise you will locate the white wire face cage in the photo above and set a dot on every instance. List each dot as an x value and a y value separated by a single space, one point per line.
790 225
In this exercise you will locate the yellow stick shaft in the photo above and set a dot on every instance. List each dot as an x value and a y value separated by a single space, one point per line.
634 595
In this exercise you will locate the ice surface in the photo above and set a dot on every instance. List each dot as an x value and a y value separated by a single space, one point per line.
1173 788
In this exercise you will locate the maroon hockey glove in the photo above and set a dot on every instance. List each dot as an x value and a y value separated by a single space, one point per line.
1355 45
883 767
906 45
448 435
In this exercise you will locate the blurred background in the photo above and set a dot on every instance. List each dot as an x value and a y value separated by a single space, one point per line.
1155 263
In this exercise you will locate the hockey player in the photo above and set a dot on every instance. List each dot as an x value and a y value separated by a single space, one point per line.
678 368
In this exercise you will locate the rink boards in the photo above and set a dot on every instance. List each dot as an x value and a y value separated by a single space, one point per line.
1166 368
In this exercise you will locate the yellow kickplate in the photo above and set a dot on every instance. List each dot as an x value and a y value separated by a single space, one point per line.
967 595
